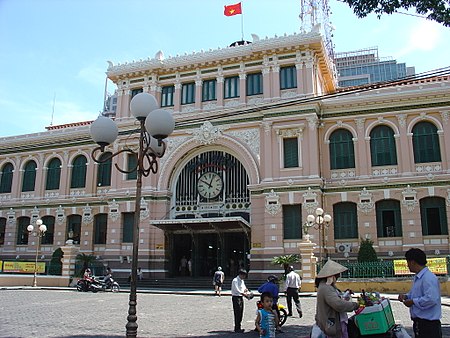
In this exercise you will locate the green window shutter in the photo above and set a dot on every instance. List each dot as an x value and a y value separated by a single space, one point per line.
434 216
382 146
288 77
188 93
29 176
167 94
209 90
6 178
53 174
426 143
389 218
128 227
254 84
345 219
132 165
74 225
104 170
292 222
231 87
100 228
22 232
78 179
342 153
290 152
2 230
49 221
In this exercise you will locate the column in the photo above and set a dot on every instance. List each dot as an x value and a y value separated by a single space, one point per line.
362 149
242 88
177 97
300 74
266 152
312 148
219 90
309 263
266 83
444 140
68 260
17 178
276 93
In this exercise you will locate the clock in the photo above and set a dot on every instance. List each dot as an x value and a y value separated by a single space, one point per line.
209 185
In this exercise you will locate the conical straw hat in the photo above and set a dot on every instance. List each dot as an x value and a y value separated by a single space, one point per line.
331 268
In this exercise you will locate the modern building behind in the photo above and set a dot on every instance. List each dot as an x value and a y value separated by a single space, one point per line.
364 66
265 120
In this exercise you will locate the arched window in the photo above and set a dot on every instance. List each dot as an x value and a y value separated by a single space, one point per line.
433 216
6 178
29 176
389 218
53 174
104 170
78 179
100 228
426 143
342 154
22 232
382 146
345 219
74 228
49 221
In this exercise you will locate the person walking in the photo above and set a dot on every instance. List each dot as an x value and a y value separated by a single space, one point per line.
292 285
331 309
218 279
238 292
424 298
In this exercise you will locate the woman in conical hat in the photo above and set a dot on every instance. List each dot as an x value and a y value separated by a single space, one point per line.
331 309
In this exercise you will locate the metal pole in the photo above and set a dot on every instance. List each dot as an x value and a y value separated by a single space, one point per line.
132 325
35 261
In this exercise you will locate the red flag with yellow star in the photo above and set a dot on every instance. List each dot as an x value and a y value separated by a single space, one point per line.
231 10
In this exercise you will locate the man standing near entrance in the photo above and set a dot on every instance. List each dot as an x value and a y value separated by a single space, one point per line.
293 284
424 298
218 279
238 292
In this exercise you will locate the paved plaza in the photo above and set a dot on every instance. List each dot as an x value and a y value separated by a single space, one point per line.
62 313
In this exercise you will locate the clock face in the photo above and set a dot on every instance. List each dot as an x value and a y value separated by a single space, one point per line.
209 185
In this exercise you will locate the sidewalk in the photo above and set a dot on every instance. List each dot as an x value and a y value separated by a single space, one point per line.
445 300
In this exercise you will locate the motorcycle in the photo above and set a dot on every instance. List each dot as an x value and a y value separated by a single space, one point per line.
96 285
282 313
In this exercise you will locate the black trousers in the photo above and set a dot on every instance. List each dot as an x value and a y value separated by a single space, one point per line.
424 328
292 294
238 309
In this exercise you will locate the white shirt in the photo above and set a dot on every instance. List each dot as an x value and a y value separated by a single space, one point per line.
237 287
293 280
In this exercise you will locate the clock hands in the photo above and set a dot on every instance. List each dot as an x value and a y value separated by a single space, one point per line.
210 184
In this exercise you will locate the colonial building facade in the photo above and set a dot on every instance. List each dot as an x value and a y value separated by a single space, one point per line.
263 138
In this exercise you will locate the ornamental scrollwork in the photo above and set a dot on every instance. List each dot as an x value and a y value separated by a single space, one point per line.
366 203
273 205
207 133
114 210
251 137
87 215
410 198
310 201
60 215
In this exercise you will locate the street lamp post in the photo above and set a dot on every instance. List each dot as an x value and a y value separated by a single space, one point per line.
154 125
40 232
319 222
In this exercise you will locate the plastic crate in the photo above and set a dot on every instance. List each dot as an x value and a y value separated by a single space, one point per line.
376 319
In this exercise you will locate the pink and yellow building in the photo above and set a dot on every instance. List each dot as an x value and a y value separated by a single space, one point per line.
265 127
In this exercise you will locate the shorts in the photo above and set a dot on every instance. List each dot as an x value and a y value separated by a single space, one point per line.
219 284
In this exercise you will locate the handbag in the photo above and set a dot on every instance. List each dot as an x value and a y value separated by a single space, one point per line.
316 332
400 332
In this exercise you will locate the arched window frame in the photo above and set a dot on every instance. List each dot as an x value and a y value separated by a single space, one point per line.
382 146
78 178
425 141
6 178
53 174
342 151
29 176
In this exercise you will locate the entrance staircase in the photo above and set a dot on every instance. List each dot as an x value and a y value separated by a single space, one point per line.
185 283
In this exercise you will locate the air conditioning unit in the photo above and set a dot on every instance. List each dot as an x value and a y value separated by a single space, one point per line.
344 247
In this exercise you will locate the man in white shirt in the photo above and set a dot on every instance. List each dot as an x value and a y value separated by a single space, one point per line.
292 285
238 291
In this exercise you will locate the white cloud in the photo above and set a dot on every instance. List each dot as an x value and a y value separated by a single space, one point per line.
423 37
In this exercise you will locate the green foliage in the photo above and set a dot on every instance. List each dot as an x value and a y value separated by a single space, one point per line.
84 261
285 261
437 10
55 267
366 251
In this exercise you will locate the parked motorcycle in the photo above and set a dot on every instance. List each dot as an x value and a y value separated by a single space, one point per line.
282 313
96 285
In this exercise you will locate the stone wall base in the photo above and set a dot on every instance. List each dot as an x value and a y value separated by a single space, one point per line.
27 280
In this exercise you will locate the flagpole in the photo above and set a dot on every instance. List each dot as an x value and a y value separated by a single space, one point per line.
242 21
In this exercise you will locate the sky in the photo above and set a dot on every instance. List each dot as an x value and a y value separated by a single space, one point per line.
54 53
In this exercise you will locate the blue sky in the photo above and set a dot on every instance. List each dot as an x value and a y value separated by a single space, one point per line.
59 48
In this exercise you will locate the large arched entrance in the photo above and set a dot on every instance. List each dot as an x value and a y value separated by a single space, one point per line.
209 223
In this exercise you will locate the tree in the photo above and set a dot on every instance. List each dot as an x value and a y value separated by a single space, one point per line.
285 261
55 267
366 251
436 10
86 260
